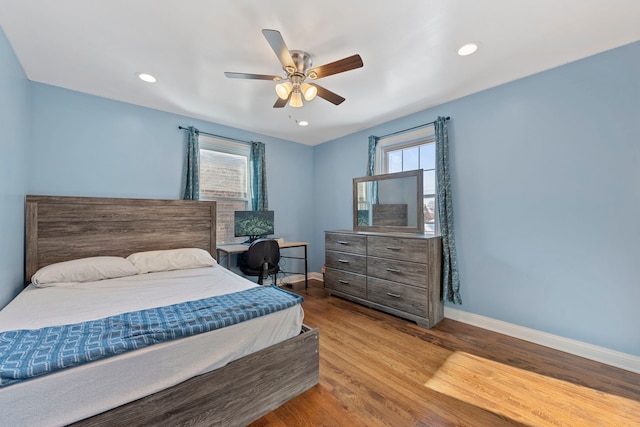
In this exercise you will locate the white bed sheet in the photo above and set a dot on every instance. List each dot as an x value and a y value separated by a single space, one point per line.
73 394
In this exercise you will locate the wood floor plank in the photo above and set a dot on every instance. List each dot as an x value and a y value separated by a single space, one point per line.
529 397
380 370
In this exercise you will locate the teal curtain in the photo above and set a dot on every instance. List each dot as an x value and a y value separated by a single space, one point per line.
371 165
259 200
450 277
192 169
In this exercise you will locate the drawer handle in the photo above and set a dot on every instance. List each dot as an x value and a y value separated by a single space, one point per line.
343 261
344 282
394 249
393 270
343 242
393 295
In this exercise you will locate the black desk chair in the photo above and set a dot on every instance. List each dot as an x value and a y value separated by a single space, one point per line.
261 259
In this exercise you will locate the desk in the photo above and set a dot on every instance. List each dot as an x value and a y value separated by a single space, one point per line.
238 248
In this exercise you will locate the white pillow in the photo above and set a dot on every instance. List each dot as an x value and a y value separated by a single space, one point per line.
83 270
171 259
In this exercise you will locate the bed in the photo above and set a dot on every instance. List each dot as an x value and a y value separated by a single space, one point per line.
234 388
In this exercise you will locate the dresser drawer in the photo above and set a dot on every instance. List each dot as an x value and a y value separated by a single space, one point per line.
399 248
346 261
410 273
401 297
348 283
344 242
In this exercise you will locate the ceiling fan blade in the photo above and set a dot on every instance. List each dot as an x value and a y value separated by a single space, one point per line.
252 76
281 102
279 47
340 66
332 97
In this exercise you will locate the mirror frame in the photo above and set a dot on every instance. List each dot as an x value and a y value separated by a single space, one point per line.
418 174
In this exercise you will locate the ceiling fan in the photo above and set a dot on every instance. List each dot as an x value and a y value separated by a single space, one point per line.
297 66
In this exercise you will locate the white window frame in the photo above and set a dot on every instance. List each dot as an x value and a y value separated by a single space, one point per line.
416 137
229 147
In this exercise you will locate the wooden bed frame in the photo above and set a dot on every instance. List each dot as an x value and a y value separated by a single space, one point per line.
64 228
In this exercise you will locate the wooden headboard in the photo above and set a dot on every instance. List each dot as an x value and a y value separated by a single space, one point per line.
64 228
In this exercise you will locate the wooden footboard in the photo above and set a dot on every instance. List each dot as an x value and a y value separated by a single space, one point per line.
234 395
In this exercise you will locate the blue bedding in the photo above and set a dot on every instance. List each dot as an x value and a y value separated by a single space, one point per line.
26 354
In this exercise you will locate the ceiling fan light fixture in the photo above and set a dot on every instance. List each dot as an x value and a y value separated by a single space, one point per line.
308 91
296 99
284 89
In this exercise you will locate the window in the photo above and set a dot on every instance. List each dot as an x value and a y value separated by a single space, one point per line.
224 177
409 151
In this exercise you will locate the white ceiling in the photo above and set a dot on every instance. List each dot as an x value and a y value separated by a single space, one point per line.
408 48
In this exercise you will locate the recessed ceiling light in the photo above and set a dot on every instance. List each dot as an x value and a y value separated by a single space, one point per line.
146 77
299 122
467 49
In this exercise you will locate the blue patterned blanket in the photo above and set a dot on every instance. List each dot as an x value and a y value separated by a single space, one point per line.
26 354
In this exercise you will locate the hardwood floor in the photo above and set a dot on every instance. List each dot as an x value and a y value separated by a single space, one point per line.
380 370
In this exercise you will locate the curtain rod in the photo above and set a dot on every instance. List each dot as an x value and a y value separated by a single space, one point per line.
217 136
415 127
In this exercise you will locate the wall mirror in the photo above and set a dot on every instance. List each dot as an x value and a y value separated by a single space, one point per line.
390 202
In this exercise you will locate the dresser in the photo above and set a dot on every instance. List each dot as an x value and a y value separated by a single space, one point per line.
396 273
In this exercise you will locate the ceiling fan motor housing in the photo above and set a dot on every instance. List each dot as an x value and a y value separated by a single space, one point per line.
302 61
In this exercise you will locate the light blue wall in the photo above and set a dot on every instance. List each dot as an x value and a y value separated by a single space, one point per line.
84 145
546 181
14 144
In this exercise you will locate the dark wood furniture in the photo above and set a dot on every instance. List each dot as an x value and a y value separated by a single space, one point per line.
396 273
64 228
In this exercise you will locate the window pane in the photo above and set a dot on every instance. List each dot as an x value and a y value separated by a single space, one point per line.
395 161
224 178
415 152
222 175
429 182
429 215
410 159
428 156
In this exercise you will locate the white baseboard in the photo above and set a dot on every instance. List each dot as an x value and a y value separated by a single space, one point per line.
293 278
578 348
316 276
